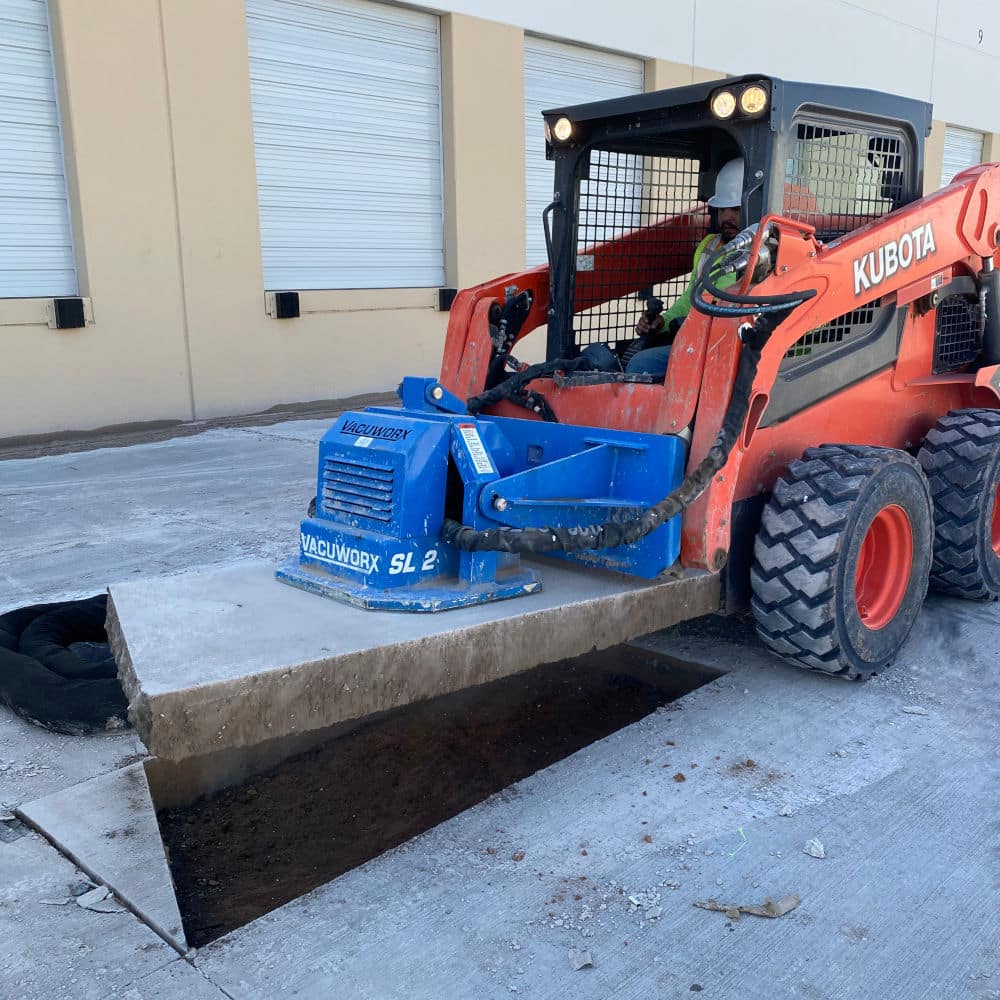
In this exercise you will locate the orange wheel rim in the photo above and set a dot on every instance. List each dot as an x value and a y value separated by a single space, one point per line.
884 564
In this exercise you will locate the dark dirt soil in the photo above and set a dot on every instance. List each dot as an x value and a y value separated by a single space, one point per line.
248 850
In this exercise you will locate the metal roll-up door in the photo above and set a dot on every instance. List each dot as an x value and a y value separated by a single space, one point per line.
347 135
36 237
963 148
557 75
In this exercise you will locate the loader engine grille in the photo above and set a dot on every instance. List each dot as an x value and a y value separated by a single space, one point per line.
834 332
956 333
624 192
361 489
840 178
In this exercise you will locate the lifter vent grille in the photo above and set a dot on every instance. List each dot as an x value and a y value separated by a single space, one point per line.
359 488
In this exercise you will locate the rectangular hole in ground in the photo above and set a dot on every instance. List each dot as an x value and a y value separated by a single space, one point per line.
242 852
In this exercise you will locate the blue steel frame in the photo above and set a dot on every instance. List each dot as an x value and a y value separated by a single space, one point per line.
386 477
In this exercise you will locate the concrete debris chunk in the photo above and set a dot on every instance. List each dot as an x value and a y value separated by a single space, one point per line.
92 896
80 887
770 907
914 710
814 849
107 906
99 900
580 959
786 810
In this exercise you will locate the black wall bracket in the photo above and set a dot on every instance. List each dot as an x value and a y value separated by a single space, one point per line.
68 314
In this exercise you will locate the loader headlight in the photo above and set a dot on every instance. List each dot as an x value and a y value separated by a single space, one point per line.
723 104
753 100
562 130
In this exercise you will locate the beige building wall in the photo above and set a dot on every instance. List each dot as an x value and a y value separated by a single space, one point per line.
482 67
934 157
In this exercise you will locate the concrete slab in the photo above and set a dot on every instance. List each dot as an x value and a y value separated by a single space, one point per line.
298 430
107 826
75 523
177 981
35 762
229 657
612 851
64 951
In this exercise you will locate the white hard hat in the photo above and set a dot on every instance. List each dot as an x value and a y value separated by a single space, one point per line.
728 186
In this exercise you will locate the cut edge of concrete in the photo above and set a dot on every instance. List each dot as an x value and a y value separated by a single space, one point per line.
107 827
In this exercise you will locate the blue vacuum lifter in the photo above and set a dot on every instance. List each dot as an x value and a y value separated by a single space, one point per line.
388 478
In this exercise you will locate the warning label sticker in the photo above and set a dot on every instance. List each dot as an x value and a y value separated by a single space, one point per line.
477 451
363 442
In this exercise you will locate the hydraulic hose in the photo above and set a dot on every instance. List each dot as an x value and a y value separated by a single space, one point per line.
511 387
728 260
756 303
626 532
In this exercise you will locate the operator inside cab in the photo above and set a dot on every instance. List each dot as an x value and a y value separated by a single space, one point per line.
650 354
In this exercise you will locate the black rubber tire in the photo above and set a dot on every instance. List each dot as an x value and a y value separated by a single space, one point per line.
79 697
806 555
961 457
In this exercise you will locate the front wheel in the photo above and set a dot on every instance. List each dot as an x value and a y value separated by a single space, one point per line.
842 559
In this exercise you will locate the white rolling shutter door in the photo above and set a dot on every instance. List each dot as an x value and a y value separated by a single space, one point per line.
963 148
347 133
558 75
36 239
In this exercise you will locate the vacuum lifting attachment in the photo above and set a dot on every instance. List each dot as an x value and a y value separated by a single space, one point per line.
389 478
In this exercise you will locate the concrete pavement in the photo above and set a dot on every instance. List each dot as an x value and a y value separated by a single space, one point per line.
899 779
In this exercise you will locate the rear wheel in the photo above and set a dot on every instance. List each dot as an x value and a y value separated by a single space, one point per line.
842 559
961 457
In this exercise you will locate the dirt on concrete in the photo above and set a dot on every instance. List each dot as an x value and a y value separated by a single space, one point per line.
123 435
247 850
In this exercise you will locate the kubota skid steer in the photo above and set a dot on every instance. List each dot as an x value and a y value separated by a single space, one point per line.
827 434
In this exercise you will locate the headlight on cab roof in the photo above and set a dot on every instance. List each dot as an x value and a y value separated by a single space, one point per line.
753 100
723 104
562 130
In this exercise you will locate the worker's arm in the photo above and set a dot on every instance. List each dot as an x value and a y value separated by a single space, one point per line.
682 305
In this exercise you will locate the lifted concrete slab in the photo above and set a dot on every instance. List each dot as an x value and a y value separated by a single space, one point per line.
229 657
107 826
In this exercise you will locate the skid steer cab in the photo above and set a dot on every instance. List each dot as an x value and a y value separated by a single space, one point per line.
820 429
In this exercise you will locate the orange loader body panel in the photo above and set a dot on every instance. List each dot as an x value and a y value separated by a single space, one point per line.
946 234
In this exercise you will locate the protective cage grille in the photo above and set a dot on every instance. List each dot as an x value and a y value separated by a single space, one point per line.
361 489
835 332
956 333
838 179
625 192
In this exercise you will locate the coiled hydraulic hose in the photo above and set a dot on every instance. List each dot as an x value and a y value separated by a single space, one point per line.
626 532
732 257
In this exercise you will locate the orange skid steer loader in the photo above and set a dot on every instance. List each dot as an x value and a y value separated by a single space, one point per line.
830 400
